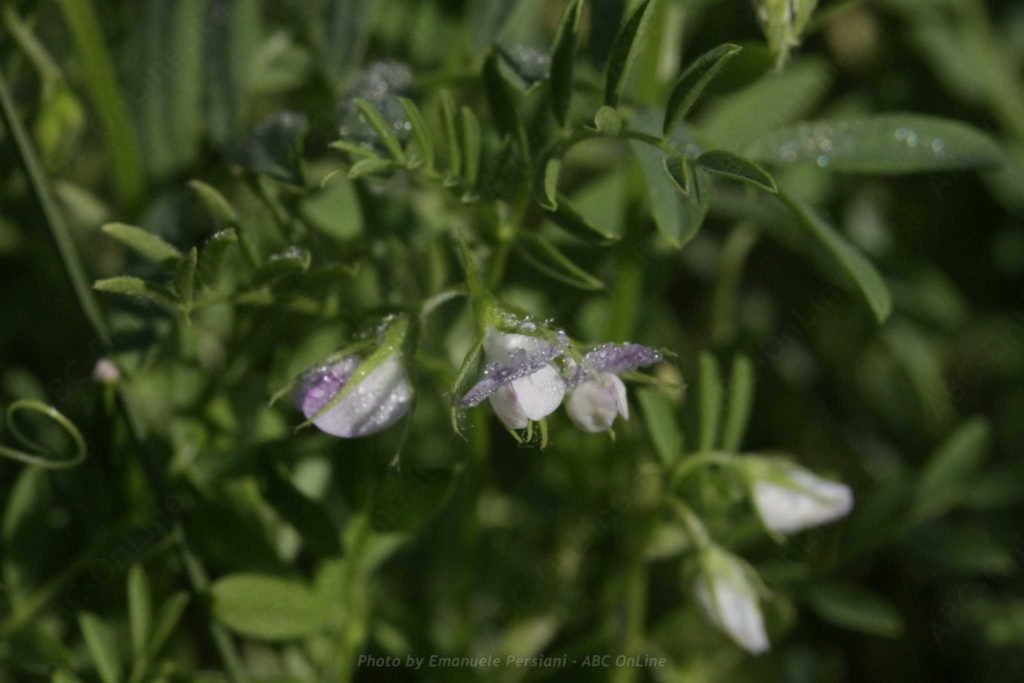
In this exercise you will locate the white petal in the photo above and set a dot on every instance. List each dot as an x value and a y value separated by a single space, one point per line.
803 501
500 347
506 407
539 394
620 394
731 603
594 404
379 401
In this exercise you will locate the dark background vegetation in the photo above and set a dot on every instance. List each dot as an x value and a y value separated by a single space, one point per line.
493 547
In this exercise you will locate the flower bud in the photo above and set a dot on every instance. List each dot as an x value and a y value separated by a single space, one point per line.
789 498
597 395
596 402
783 22
375 403
727 592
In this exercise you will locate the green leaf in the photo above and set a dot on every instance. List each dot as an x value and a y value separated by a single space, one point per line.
140 609
185 277
868 280
710 397
946 475
741 395
662 424
136 287
882 144
855 608
267 607
291 261
776 100
358 150
420 131
570 220
219 207
64 676
471 142
145 243
546 257
464 380
101 646
385 131
731 166
549 198
624 51
167 619
678 172
503 107
677 216
213 255
367 167
563 58
692 82
451 131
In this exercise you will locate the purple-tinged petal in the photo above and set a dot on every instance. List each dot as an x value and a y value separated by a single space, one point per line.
615 359
320 385
514 356
380 399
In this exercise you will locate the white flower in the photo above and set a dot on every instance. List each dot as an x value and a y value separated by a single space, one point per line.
596 402
728 595
788 498
597 395
376 403
529 387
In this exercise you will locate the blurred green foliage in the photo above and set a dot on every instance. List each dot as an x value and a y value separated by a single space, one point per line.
831 244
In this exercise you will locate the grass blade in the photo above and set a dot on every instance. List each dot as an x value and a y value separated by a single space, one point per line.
101 83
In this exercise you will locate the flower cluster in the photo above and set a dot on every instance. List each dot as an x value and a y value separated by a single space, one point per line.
522 382
528 372
353 396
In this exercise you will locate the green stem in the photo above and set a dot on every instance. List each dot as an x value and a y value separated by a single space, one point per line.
76 274
698 460
696 530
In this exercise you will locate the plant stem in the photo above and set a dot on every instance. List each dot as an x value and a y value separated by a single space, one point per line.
700 459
